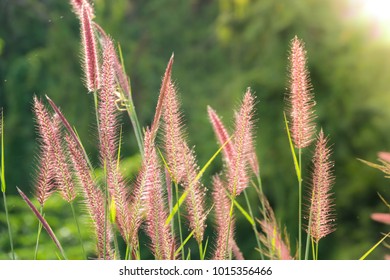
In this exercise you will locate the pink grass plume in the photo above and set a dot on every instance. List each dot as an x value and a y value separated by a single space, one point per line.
322 221
90 57
238 173
276 247
182 163
222 205
160 233
94 199
300 99
381 218
108 133
77 6
59 167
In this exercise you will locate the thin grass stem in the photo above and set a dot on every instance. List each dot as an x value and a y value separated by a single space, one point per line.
201 255
230 222
308 237
38 234
78 229
9 227
179 219
4 185
254 225
300 206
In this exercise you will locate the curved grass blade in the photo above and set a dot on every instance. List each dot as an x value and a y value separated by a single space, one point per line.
373 247
242 210
184 243
296 165
203 170
44 222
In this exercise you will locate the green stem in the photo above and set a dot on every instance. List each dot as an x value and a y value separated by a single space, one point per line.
128 249
78 229
117 254
254 225
179 219
300 206
38 234
230 223
9 227
135 123
96 103
201 251
313 249
308 237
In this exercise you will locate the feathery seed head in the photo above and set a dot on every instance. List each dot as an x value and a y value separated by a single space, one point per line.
222 135
90 57
275 246
108 134
77 6
321 201
243 145
164 90
52 148
44 183
94 199
300 99
381 218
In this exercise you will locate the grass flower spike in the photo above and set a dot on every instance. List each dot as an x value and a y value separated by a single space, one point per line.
182 162
108 141
275 246
51 135
90 58
162 239
300 99
77 6
238 176
322 216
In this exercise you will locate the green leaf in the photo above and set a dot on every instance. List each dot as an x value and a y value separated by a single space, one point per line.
373 247
242 210
296 165
184 243
184 195
3 185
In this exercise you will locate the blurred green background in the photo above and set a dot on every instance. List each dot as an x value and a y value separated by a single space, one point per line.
221 47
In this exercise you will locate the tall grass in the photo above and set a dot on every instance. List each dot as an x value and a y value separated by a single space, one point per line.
170 175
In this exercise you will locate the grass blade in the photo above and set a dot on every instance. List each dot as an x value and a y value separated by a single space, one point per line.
184 195
184 243
373 247
296 165
3 185
242 210
43 221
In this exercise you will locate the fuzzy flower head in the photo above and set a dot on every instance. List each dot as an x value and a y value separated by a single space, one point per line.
90 58
300 99
77 6
321 202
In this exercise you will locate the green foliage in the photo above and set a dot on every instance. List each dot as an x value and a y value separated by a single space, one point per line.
59 215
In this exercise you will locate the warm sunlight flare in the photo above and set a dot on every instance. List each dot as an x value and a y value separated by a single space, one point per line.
377 12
